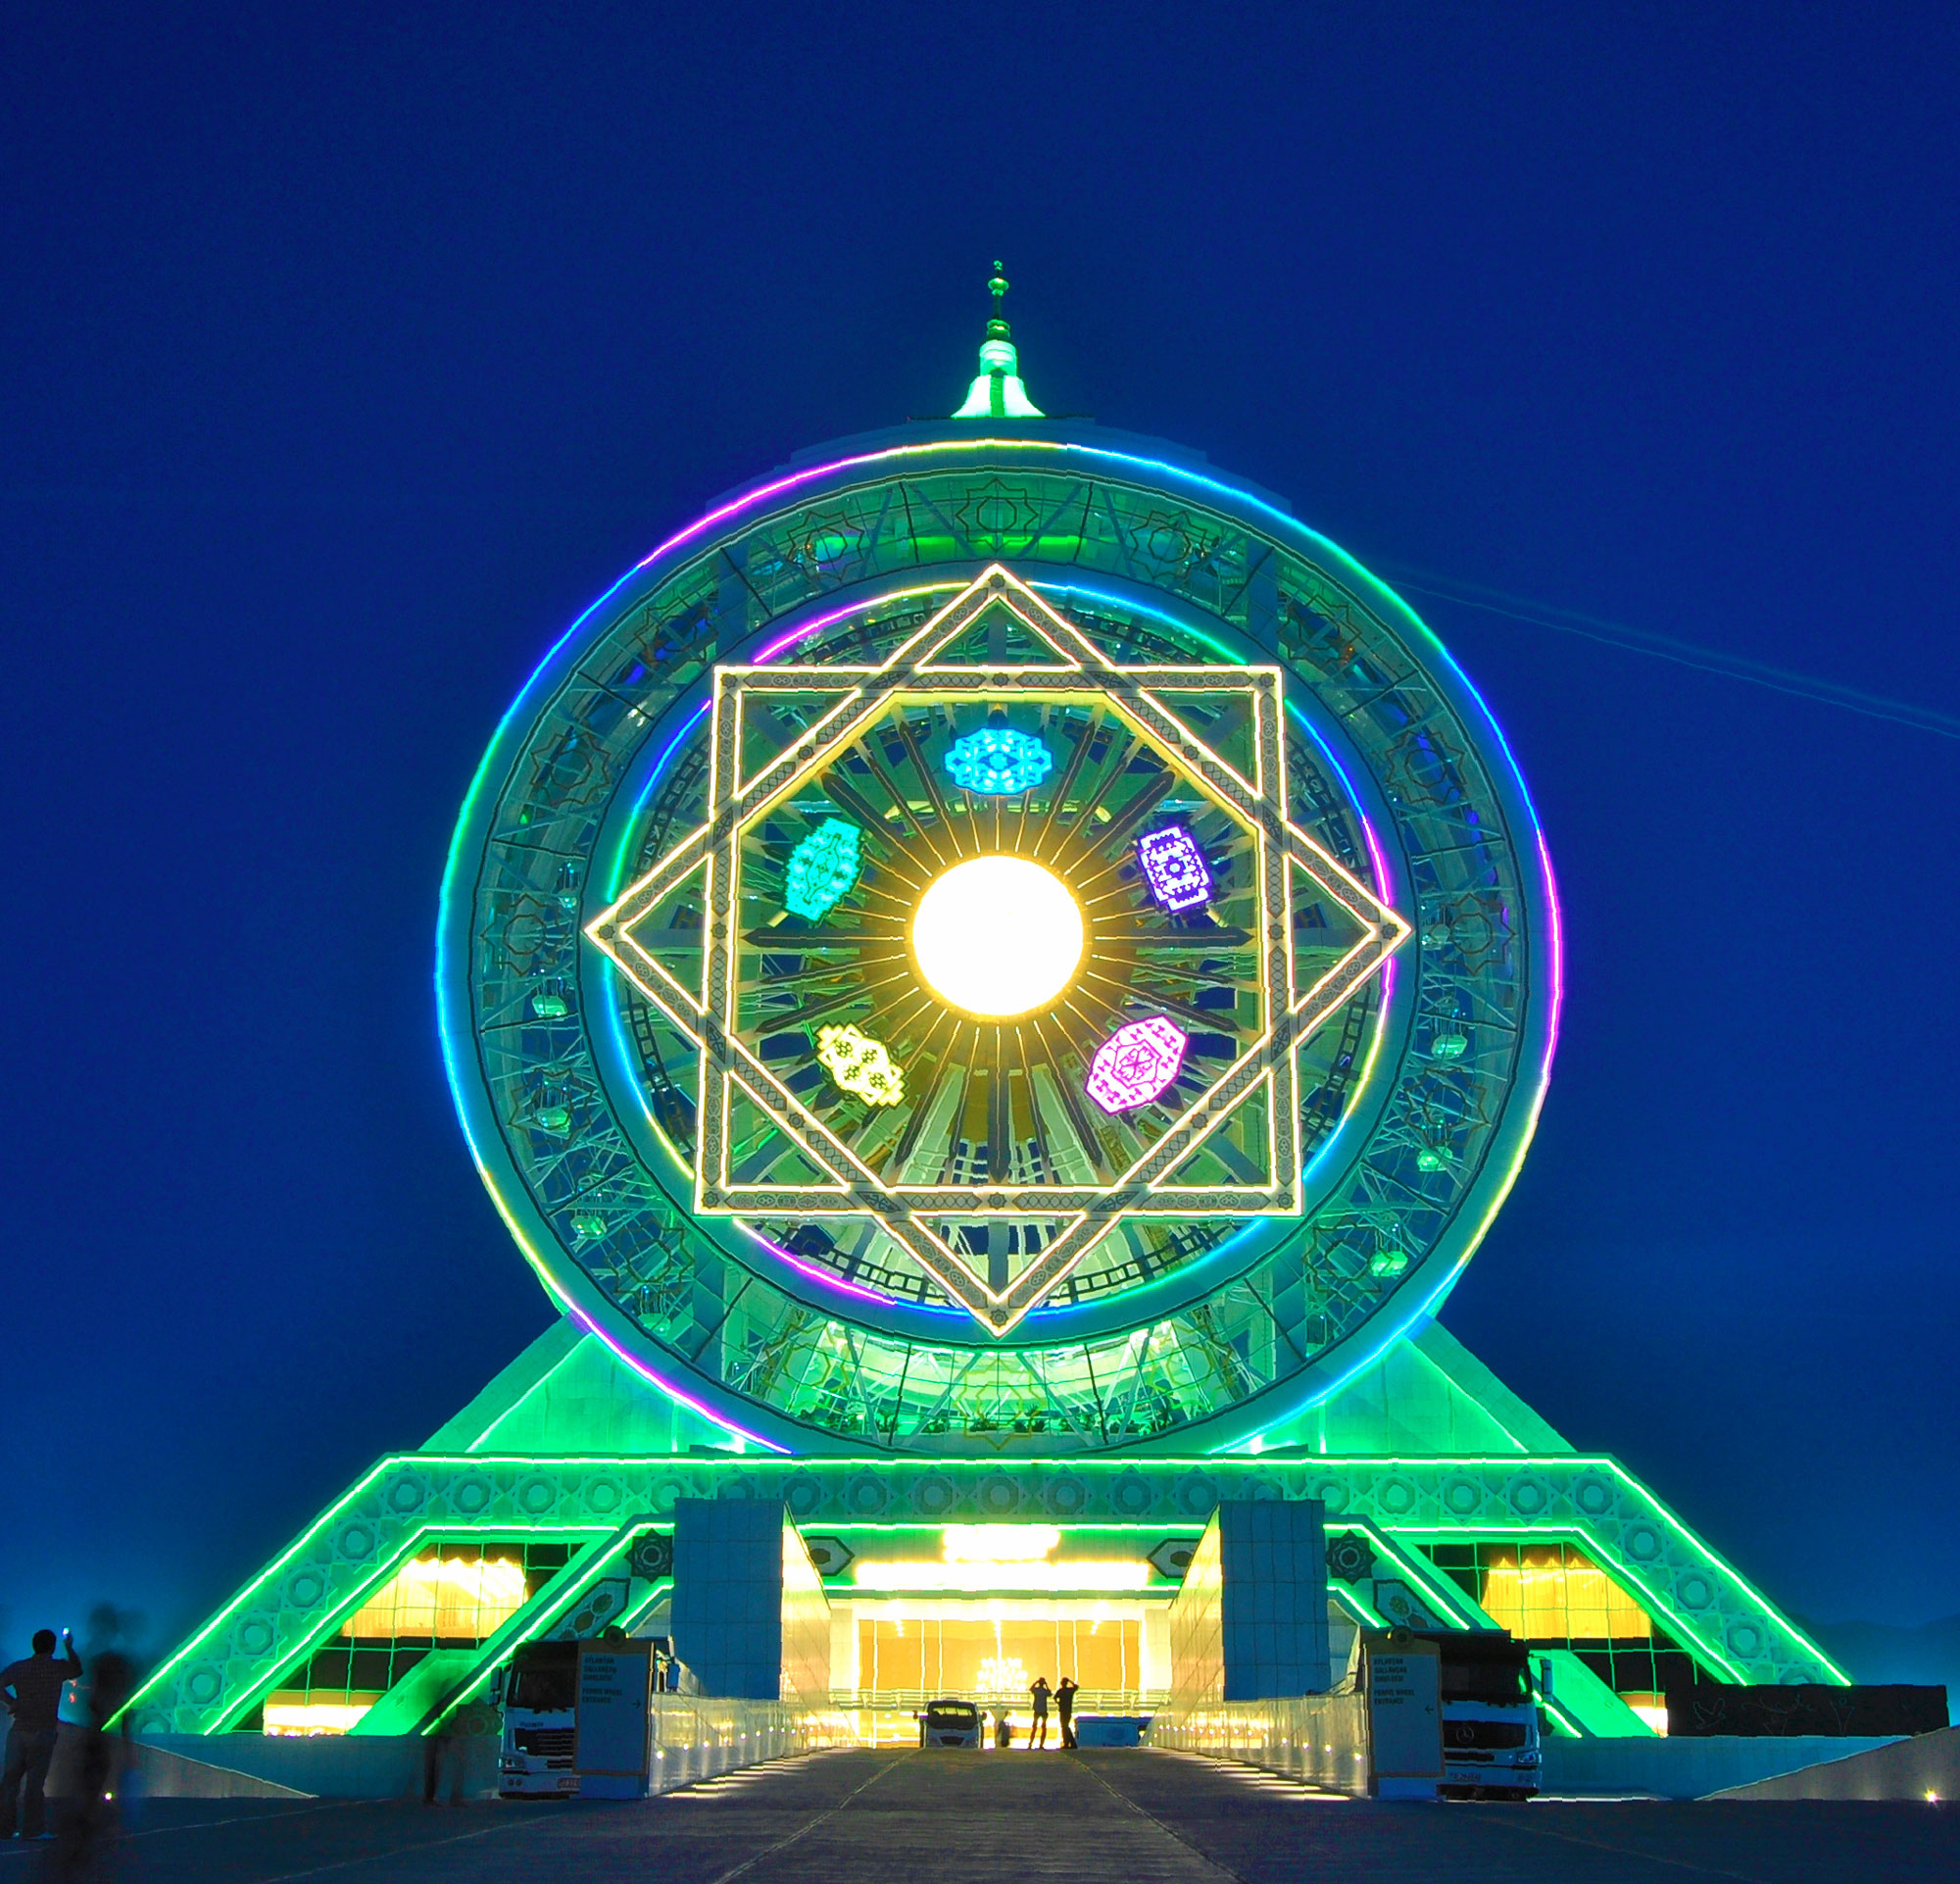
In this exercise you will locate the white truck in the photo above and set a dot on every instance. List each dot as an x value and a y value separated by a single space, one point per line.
540 1708
1490 1715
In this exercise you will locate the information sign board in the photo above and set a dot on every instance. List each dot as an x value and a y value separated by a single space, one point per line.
1405 1712
613 1717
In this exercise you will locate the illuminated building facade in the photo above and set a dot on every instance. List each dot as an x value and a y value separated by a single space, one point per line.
997 981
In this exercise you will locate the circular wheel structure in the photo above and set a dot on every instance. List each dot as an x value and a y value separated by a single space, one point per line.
992 944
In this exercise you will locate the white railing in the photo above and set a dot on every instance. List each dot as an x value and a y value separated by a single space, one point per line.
1088 1701
698 1736
1319 1738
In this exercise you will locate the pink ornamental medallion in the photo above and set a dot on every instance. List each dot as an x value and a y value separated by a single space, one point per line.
1135 1063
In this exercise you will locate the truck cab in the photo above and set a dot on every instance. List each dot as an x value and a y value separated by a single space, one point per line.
1489 1714
540 1710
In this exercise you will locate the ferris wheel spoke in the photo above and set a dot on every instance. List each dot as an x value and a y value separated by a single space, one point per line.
1114 763
934 859
879 828
928 783
1146 801
901 1156
1208 1023
1055 800
862 994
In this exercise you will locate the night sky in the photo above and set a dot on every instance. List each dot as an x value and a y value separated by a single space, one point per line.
349 352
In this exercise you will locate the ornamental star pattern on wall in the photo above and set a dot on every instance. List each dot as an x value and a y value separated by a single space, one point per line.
955 662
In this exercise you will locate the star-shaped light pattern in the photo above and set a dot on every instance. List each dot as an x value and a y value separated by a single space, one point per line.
861 1064
998 762
794 743
823 870
1174 868
1135 1063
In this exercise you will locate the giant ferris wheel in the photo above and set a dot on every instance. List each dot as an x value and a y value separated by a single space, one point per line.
999 941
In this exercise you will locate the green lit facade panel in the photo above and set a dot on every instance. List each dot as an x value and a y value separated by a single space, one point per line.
1732 1631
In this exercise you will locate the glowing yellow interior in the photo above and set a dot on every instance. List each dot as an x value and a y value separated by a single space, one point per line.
996 1656
997 936
465 1598
1539 1597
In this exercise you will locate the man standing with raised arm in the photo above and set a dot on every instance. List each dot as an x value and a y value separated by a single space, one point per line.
31 1691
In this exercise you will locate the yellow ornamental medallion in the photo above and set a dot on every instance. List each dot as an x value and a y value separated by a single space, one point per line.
857 1064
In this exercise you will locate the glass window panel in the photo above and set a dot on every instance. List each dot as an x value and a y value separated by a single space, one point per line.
1555 1593
448 1597
984 1656
294 1711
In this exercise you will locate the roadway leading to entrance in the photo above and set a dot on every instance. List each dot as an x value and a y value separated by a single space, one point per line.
1115 1817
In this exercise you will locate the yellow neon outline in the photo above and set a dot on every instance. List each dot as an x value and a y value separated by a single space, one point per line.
1213 1126
1291 850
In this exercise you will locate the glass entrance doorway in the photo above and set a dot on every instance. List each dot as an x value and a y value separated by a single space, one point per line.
893 1655
948 1649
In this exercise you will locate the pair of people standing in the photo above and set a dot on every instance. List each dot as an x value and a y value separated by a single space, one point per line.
1064 1707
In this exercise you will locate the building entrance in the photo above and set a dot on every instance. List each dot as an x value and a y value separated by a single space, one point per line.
981 1650
902 1653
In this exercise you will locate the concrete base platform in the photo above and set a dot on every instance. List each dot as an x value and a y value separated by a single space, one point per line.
277 1766
1141 1817
1925 1769
1687 1766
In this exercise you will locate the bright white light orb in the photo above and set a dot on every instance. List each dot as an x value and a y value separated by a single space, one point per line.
997 936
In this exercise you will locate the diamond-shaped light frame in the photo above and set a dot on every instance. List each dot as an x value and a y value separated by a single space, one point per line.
1142 695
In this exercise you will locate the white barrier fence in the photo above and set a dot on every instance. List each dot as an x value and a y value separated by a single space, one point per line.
697 1736
1321 1739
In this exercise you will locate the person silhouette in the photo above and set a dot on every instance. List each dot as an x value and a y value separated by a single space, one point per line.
1038 1733
31 1691
101 1770
1064 1707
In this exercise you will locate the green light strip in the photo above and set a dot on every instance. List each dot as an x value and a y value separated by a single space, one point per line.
311 1641
271 1569
1782 1638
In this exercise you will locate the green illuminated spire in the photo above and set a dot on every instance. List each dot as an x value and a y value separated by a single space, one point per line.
996 392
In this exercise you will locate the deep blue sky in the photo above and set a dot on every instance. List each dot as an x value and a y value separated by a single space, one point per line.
349 352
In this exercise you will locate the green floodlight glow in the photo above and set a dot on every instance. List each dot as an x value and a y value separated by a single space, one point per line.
823 869
490 1134
858 1369
996 391
380 1503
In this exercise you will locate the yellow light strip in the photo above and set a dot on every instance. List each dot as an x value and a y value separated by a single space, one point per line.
1147 1187
300 1719
1003 1574
998 1543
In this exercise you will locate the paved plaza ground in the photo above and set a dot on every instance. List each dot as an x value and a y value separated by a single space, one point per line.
1115 1818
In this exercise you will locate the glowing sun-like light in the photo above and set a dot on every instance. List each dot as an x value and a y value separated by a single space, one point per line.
997 936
